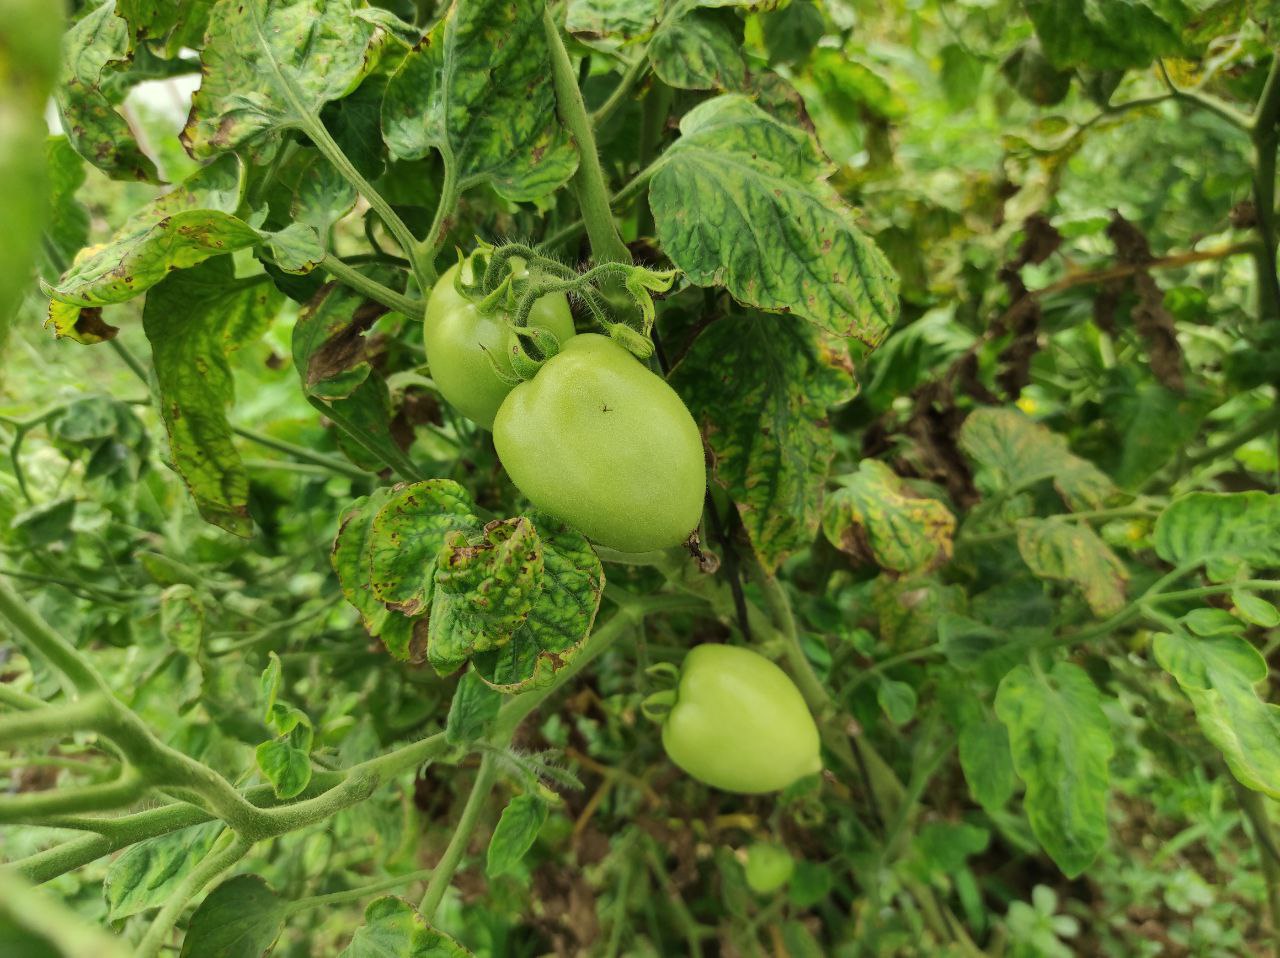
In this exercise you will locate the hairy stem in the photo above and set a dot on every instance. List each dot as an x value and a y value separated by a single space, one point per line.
588 182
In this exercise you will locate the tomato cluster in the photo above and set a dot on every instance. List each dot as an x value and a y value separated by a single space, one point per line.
594 438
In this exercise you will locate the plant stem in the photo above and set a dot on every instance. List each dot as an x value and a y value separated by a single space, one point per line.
333 153
349 276
1262 131
588 182
199 878
355 894
635 70
1255 811
424 253
303 454
486 778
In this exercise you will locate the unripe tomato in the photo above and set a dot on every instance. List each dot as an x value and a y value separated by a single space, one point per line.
600 442
739 723
768 868
457 334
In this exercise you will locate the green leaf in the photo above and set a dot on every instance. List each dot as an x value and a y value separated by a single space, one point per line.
1061 743
874 510
986 760
91 52
768 431
270 66
296 248
285 761
1013 453
1231 533
479 89
515 834
194 320
394 929
741 200
66 230
145 875
1072 552
1218 674
1154 424
178 230
700 50
241 918
182 619
474 707
897 700
1255 609
1114 35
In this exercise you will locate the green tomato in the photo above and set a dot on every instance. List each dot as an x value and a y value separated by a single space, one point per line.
769 867
598 441
739 723
457 334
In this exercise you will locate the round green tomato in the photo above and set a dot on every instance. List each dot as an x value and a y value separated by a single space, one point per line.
457 334
769 867
598 441
739 723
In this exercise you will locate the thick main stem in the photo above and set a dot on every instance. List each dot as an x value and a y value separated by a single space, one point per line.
588 182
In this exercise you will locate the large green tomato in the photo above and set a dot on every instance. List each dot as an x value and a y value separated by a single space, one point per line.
457 335
600 442
739 723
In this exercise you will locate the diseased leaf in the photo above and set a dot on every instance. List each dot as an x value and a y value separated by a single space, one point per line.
485 587
1072 552
874 511
267 66
768 432
194 320
479 87
352 561
1014 452
741 200
699 51
91 50
616 18
1231 533
180 229
1061 743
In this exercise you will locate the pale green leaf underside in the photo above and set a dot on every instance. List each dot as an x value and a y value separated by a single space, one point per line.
1061 742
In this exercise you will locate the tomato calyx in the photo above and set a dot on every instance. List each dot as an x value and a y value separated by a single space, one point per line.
658 705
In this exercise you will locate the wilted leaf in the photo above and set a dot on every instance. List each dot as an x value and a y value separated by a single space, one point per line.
904 533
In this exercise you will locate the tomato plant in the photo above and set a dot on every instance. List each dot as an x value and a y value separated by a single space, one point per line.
404 400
